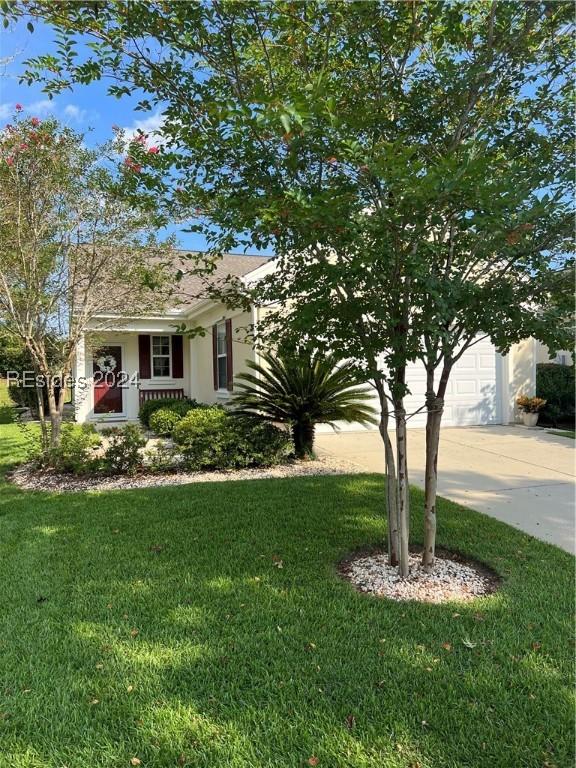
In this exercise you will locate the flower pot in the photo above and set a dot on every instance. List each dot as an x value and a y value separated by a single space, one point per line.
530 419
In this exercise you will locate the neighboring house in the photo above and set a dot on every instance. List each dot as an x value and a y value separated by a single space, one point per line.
159 362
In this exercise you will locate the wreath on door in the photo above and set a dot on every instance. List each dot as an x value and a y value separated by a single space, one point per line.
106 363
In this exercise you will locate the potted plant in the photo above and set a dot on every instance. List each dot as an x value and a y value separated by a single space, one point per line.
530 408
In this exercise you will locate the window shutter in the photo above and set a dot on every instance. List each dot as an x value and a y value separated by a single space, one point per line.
215 354
229 371
144 356
177 357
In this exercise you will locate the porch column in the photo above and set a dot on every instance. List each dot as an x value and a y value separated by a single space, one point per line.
80 392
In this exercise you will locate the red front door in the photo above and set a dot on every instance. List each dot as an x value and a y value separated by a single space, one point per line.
107 365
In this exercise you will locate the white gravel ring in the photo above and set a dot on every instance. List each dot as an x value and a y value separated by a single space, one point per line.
448 580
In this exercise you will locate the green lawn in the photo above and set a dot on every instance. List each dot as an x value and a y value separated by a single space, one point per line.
563 433
156 624
6 404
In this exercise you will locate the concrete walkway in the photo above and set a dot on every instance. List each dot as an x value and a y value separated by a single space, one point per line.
525 477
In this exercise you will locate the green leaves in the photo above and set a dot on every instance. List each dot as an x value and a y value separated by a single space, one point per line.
389 154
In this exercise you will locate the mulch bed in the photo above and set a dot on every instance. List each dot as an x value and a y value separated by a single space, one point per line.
33 479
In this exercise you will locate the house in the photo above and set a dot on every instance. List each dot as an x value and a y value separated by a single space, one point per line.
123 361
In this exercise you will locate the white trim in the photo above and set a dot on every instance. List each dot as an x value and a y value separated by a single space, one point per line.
503 384
152 356
107 416
114 315
219 355
261 271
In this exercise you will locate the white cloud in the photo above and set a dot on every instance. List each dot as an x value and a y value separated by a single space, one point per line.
41 108
151 126
75 113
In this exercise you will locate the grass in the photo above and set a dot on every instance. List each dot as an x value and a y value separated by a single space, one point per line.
563 433
6 404
157 624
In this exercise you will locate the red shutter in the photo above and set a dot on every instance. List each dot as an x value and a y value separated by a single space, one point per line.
144 356
177 357
215 354
229 371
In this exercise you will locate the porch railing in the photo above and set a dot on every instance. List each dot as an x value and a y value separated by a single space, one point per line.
160 394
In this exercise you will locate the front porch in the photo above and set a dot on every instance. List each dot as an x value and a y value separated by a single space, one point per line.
116 371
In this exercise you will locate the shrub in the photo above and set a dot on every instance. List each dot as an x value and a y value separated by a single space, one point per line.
178 405
555 383
164 458
163 421
122 455
24 397
211 438
75 452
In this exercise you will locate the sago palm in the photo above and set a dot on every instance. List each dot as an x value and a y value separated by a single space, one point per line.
303 391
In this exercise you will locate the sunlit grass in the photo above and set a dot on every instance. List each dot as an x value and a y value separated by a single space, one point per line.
156 624
563 433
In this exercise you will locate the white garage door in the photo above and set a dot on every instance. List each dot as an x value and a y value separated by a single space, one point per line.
473 395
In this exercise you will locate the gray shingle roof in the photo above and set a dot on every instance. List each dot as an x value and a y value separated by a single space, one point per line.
191 289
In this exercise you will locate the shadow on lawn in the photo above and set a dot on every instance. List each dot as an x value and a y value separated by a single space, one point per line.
220 605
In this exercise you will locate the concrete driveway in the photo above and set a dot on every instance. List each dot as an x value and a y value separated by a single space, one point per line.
525 477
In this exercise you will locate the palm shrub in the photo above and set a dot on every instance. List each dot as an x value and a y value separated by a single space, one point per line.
302 391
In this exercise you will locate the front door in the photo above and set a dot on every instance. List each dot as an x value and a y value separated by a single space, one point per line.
107 365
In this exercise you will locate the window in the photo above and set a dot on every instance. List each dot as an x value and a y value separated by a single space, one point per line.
160 357
221 356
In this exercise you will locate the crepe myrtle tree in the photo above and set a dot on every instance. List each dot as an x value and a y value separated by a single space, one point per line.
408 162
70 248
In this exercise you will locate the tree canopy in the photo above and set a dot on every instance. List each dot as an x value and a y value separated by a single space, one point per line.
71 248
409 162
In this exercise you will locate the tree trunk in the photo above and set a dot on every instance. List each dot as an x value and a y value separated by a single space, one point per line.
391 483
44 436
433 420
55 414
403 489
435 409
303 437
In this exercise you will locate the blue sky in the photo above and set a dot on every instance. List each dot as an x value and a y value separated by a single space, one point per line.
87 109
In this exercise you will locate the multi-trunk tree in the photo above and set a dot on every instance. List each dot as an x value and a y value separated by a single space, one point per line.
408 161
70 248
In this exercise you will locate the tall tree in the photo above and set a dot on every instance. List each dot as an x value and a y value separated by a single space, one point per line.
70 249
408 161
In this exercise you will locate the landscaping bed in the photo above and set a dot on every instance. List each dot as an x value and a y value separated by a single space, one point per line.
453 577
32 478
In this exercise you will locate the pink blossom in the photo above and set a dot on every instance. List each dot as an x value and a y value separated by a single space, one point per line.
131 165
19 107
10 160
23 146
153 151
141 138
35 121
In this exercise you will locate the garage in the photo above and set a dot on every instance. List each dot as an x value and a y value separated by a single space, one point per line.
473 397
